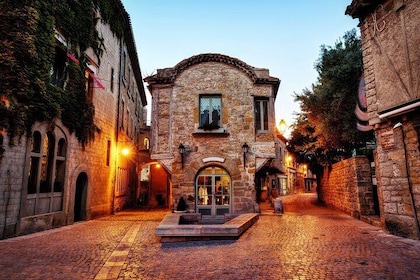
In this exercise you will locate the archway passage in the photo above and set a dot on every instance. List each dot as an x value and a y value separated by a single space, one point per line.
213 191
80 197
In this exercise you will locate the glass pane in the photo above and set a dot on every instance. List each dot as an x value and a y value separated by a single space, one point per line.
61 149
215 111
33 173
210 112
36 142
44 161
204 111
258 115
265 112
218 170
59 176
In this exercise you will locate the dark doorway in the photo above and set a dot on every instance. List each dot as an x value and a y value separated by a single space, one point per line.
80 197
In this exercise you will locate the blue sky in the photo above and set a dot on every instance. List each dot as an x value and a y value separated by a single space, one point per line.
284 36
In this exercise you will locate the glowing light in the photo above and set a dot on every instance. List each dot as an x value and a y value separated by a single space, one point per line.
282 126
125 151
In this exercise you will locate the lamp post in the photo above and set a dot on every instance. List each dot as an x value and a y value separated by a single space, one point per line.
245 149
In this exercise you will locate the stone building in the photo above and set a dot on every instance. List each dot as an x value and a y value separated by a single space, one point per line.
391 58
213 130
49 178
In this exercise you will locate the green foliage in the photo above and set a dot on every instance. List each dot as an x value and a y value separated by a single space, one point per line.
27 53
325 129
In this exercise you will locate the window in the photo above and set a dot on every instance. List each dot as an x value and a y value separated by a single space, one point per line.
122 114
46 175
58 71
213 191
261 115
112 80
123 67
210 112
108 153
89 84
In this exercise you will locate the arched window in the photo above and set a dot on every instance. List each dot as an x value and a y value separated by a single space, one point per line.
46 171
146 143
213 191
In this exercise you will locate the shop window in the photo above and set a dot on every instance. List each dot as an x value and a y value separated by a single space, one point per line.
213 191
210 112
261 115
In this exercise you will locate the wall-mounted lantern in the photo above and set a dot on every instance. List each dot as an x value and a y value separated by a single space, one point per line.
183 150
282 127
245 150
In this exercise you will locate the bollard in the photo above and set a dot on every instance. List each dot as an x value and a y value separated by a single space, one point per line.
278 206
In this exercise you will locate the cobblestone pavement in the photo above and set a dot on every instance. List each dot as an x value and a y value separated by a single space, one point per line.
306 242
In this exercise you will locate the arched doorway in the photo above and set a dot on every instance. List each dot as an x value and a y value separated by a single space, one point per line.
80 197
213 191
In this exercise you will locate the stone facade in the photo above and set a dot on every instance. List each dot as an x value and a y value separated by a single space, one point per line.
347 186
89 181
391 57
177 119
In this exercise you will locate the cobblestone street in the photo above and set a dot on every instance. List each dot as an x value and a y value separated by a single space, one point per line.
306 242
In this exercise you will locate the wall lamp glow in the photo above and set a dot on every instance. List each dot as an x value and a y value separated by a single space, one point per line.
245 150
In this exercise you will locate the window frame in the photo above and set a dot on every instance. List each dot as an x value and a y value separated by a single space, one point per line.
261 115
212 126
46 172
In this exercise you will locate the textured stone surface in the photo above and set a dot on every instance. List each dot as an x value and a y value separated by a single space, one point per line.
390 39
176 92
306 242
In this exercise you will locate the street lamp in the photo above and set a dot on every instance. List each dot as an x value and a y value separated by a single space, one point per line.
282 127
183 150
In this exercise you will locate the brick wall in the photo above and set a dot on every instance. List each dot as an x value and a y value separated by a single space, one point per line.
347 186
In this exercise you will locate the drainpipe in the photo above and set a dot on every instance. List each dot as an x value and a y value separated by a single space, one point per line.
410 185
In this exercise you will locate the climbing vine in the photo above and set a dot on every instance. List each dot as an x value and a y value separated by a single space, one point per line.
27 54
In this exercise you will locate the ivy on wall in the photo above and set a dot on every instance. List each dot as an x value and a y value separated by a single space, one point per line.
27 54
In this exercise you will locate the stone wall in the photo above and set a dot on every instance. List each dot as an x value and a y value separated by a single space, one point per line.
347 186
391 58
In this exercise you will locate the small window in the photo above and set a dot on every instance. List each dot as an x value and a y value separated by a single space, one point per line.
261 115
123 66
112 80
146 143
89 84
210 112
108 153
58 71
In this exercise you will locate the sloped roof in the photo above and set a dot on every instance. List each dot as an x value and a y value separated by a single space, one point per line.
257 75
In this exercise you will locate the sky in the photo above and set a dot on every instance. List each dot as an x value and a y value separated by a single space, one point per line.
284 36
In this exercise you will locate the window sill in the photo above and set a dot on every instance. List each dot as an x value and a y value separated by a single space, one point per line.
211 133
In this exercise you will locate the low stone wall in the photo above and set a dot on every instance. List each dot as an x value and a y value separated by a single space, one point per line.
347 186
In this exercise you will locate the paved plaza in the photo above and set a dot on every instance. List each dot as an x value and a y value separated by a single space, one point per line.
306 242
